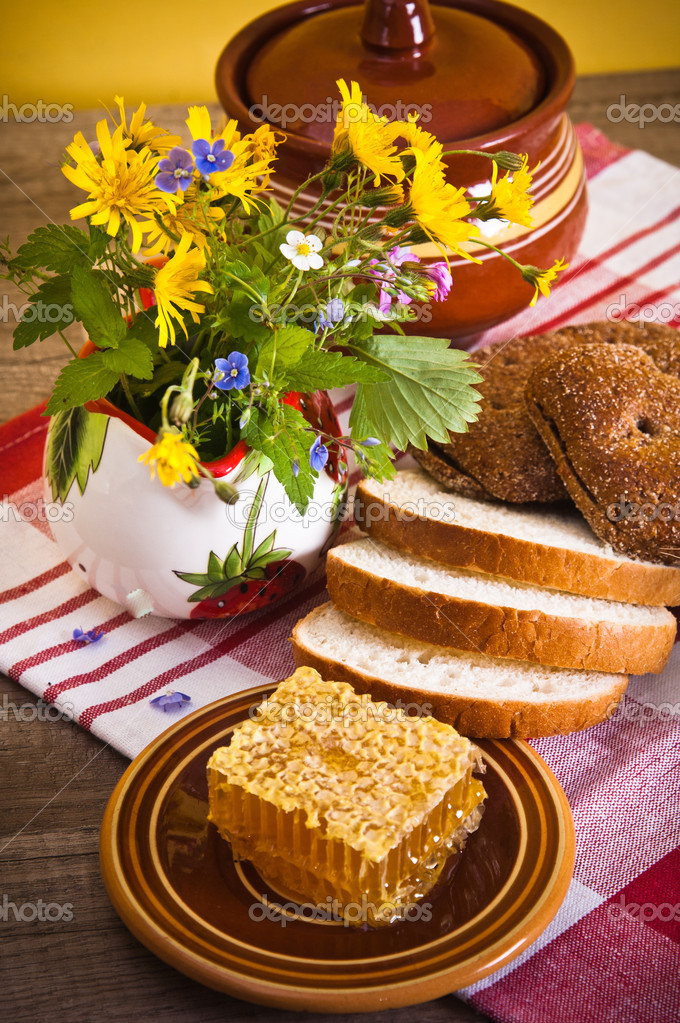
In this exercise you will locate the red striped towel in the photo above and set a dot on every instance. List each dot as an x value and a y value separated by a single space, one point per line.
613 951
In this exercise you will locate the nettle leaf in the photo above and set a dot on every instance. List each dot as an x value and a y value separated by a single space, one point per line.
55 248
94 306
282 349
284 440
242 318
164 375
80 381
48 310
378 459
98 243
318 370
74 449
236 270
429 390
131 357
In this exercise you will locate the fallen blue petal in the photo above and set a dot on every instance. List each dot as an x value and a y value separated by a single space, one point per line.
87 637
170 699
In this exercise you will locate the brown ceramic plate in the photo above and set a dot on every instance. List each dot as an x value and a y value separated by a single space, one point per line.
175 884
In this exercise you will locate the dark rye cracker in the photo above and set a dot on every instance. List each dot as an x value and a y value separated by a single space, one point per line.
611 421
501 457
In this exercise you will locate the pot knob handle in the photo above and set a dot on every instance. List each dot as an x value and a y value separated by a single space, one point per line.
397 24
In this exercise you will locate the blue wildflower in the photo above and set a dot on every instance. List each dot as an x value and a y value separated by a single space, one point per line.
211 159
333 313
177 171
370 442
232 372
295 467
170 700
318 455
87 637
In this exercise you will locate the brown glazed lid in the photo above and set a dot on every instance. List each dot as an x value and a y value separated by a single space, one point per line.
468 74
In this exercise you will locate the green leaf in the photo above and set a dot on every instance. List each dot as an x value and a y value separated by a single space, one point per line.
318 370
165 374
95 307
80 381
74 448
285 439
429 391
131 357
267 559
144 328
378 459
282 349
232 563
242 318
55 248
48 310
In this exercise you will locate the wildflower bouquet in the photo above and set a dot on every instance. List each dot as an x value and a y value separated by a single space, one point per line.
207 303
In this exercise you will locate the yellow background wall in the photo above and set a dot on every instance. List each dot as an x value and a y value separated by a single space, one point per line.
84 51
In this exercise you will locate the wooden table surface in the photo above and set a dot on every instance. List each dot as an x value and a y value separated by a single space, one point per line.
55 779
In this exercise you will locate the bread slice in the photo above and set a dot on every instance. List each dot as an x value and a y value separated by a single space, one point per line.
532 545
479 695
411 595
500 456
611 421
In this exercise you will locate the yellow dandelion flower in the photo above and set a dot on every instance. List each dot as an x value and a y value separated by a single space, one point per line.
120 185
417 139
172 457
144 133
174 287
438 207
510 199
186 219
542 279
363 136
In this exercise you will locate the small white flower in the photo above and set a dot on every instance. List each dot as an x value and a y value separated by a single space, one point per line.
303 250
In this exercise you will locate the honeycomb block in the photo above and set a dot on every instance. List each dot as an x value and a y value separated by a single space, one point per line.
335 797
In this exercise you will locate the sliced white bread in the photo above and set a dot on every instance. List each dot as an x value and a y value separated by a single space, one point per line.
480 696
414 596
529 544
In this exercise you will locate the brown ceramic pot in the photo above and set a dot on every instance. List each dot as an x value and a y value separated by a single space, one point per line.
484 75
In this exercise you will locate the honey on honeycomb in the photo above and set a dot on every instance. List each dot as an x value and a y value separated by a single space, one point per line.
335 797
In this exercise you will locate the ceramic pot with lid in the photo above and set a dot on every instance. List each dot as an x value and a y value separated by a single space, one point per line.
482 74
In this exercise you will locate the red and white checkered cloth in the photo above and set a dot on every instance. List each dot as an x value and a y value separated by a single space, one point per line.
613 951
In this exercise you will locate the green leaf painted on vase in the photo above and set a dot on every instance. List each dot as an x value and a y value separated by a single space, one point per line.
74 449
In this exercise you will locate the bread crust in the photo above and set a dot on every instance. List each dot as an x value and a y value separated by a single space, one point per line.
479 550
611 421
501 455
524 635
485 718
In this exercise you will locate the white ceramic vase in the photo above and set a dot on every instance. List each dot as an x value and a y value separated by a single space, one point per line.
175 551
